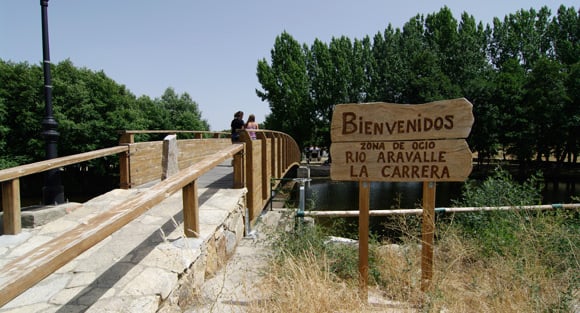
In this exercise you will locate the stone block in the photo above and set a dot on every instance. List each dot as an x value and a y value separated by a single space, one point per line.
169 156
231 243
211 259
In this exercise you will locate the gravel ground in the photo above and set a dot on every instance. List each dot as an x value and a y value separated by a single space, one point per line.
236 285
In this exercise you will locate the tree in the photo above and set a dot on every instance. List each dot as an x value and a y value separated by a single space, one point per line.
286 87
517 73
546 99
572 113
321 73
515 135
442 37
473 74
389 73
4 130
183 112
21 94
522 36
89 107
565 35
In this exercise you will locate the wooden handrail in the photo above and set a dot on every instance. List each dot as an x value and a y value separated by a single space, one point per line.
199 133
260 167
30 268
10 182
39 167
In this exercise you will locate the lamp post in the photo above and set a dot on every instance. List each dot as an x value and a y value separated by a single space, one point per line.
53 191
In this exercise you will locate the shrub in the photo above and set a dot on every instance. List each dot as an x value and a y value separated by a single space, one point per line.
497 230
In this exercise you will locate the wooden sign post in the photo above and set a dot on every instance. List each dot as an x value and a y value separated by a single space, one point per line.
401 143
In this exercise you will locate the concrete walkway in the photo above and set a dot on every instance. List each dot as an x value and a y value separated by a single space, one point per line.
146 266
237 285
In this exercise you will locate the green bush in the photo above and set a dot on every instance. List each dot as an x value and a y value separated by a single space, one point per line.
522 239
553 234
497 230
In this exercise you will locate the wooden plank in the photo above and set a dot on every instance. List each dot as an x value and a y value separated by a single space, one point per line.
280 157
145 171
382 121
133 132
202 145
274 154
239 170
38 167
190 210
401 161
265 165
427 235
255 203
145 159
11 207
191 151
363 236
22 273
125 161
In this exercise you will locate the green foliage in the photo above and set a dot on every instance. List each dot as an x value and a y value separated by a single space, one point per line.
532 244
21 96
511 232
520 73
286 87
89 107
181 112
499 189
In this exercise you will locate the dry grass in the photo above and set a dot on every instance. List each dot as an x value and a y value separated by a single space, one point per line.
513 261
304 284
463 281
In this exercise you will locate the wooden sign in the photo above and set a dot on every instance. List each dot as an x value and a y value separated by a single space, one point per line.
382 121
401 142
400 161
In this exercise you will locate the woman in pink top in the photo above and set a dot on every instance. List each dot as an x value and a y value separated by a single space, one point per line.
251 124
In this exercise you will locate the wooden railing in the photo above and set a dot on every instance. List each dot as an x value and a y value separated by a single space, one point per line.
254 160
10 179
271 155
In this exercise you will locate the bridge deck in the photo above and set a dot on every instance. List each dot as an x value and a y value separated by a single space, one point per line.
140 264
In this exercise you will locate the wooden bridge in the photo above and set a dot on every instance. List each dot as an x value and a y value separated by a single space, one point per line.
255 164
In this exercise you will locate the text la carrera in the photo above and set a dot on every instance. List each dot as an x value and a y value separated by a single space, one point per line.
419 172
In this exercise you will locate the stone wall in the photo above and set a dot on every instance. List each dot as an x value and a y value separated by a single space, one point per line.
215 252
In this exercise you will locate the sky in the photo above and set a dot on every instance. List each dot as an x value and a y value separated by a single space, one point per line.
207 49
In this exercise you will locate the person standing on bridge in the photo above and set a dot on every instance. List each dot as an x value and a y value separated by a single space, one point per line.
251 124
237 125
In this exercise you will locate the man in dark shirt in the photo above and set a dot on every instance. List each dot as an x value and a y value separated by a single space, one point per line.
237 125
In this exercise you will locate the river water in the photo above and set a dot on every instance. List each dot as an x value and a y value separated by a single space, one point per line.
327 195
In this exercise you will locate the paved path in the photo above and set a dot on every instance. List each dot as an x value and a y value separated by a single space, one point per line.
236 285
134 268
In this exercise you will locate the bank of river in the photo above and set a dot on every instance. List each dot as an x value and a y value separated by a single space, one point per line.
324 194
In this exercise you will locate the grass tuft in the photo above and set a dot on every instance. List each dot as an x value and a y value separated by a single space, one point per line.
515 261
